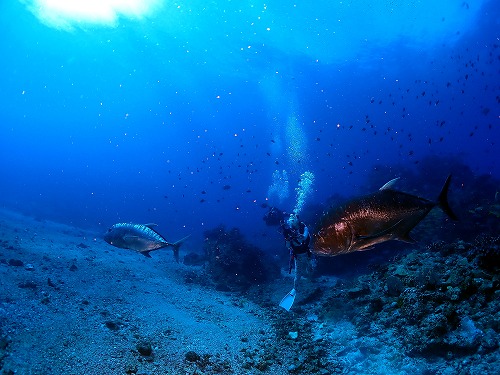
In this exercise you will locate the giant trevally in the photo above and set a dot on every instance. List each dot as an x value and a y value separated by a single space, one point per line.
139 237
382 216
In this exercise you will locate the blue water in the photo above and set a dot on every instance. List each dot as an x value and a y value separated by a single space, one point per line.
180 113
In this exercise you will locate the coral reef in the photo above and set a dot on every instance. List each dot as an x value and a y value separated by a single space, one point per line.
233 263
486 250
439 303
432 310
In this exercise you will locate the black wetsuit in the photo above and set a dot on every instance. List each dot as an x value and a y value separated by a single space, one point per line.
297 246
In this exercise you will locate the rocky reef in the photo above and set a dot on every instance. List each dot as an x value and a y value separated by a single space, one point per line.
433 310
233 264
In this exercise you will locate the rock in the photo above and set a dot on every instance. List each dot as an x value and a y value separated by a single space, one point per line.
358 291
453 293
112 325
313 296
144 348
489 342
312 318
131 368
29 267
376 305
192 356
401 270
248 364
466 338
262 366
4 342
394 286
16 262
28 285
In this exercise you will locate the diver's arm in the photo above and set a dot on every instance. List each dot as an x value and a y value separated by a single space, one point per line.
306 232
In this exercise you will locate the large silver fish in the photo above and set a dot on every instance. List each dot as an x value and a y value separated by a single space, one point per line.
382 216
139 237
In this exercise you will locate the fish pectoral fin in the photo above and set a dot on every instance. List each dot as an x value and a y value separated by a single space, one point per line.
150 225
406 238
367 248
146 253
380 234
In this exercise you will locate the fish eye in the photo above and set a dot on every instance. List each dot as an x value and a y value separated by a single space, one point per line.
109 230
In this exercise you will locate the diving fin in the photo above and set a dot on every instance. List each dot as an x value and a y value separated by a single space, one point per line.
288 300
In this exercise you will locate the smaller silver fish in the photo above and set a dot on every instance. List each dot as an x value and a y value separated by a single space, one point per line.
139 237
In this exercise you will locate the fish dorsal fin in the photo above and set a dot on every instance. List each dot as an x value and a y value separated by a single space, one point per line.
150 225
389 184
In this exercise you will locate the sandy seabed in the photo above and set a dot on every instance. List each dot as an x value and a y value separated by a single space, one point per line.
72 304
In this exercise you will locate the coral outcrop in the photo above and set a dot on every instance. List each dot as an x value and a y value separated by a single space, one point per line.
233 263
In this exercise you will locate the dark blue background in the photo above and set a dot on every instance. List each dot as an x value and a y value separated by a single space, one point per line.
147 120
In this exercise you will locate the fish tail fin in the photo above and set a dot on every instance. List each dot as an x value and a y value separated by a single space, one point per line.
176 245
443 200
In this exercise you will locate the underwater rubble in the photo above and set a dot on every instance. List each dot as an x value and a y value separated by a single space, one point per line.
434 310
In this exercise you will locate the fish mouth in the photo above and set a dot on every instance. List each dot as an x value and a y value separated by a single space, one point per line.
335 239
320 246
321 251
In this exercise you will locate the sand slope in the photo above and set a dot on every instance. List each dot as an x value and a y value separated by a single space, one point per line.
78 305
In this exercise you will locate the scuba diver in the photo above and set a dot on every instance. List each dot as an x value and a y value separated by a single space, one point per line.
297 239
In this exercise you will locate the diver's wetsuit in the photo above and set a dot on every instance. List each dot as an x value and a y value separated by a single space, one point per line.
298 244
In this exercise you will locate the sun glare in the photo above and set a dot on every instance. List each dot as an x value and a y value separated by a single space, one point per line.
66 14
